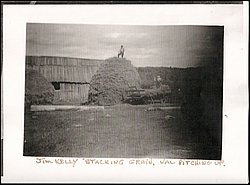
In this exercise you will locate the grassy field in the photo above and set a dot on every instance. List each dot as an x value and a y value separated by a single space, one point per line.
124 131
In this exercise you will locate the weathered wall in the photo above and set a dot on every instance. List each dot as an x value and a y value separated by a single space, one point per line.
73 74
71 94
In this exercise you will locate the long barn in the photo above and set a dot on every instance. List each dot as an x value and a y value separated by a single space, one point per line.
69 76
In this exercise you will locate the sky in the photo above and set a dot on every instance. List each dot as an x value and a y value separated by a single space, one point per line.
167 46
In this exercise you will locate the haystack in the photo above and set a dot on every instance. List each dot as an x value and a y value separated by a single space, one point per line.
113 78
37 89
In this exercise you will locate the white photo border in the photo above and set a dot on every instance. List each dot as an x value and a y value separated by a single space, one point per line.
234 18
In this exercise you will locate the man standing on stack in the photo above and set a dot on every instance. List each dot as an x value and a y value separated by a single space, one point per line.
121 51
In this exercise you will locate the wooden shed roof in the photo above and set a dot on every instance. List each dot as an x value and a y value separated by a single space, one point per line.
64 69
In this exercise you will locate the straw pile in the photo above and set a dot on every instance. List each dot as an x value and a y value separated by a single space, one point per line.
113 78
37 89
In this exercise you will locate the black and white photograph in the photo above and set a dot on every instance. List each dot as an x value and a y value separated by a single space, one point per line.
123 91
114 92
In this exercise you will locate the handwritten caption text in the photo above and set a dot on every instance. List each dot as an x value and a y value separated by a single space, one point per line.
138 162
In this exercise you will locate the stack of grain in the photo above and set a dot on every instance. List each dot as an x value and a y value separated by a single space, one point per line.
113 78
37 89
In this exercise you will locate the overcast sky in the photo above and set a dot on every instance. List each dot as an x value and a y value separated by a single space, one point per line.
175 46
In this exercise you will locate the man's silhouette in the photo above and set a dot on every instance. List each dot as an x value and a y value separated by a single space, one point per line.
121 51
